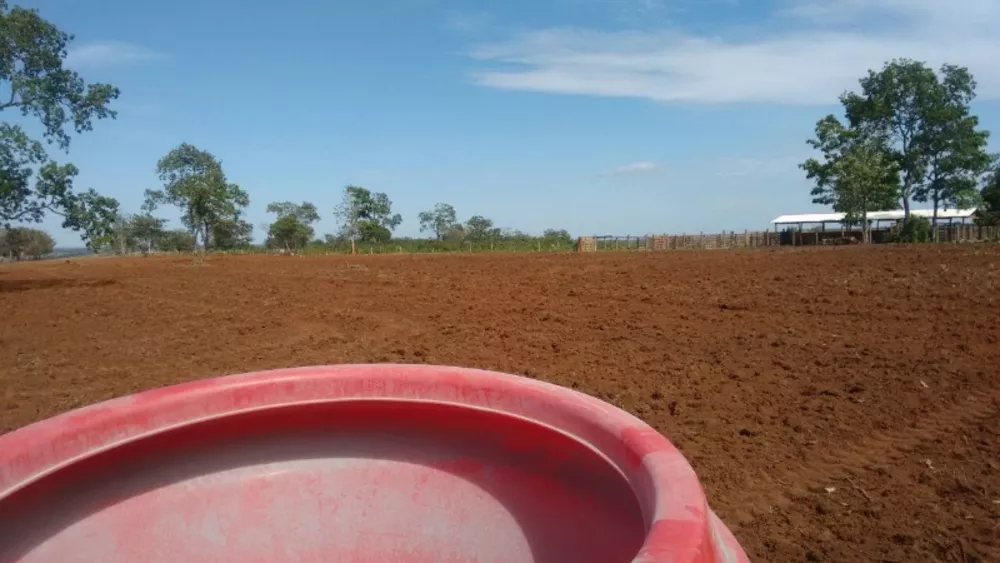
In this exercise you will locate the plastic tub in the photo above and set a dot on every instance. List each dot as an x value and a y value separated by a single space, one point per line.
360 463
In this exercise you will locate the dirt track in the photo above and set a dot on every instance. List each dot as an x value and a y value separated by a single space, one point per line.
779 374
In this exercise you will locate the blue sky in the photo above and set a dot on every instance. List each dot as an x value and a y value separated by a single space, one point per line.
597 116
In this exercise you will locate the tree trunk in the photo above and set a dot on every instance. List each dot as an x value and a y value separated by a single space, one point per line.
934 230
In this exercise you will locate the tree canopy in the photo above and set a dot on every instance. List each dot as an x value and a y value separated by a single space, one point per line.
32 53
856 175
439 220
293 228
366 216
923 122
909 136
193 181
21 242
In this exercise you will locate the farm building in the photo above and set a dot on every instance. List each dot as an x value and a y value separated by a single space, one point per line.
815 228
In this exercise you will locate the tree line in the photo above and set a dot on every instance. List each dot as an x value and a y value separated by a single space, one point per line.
212 208
908 136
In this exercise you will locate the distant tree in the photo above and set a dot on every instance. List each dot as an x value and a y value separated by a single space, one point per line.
38 244
955 150
21 242
365 216
479 229
293 228
37 86
557 237
147 231
924 123
232 233
857 174
177 240
194 182
439 220
990 195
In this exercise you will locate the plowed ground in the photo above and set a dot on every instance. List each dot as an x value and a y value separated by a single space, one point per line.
839 404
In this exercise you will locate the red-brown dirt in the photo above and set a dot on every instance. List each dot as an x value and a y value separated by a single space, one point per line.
873 373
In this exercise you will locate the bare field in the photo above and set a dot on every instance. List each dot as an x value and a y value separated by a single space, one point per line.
838 403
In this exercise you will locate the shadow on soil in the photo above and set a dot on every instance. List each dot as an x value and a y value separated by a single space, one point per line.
15 286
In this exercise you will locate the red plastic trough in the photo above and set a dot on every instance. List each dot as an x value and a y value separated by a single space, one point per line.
360 463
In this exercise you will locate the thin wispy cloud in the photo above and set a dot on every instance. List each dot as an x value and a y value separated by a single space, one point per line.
109 54
467 22
643 167
811 53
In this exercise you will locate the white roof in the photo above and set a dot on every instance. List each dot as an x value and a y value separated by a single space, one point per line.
874 216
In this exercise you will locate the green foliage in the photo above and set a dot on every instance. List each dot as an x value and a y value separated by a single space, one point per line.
293 229
231 234
32 52
955 150
20 243
439 220
177 240
304 212
924 123
857 174
194 182
990 211
480 229
914 229
365 216
557 237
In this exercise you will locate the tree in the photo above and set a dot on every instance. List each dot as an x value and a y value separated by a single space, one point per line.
366 216
147 231
892 106
953 146
21 242
439 220
193 181
479 229
293 229
557 237
924 121
857 175
31 71
176 240
990 195
231 233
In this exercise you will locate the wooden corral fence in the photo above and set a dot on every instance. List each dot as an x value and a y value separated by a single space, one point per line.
701 241
756 239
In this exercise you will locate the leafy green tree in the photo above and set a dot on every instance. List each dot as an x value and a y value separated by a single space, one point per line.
990 195
365 216
146 231
924 120
176 240
892 106
857 174
479 229
193 181
22 242
232 233
32 52
439 220
557 238
953 146
293 228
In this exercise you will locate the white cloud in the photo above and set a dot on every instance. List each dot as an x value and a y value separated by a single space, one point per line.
643 167
821 49
108 54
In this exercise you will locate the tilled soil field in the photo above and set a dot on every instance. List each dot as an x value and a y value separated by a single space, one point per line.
839 404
